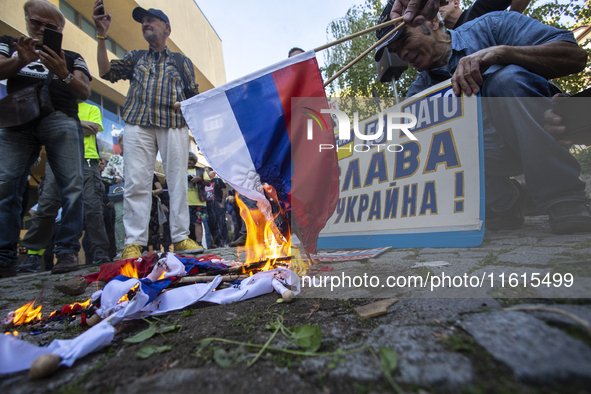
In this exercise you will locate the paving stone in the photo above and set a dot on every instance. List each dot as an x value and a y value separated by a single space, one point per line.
441 250
217 380
414 311
563 240
514 241
580 311
529 255
580 251
534 351
497 289
458 266
474 254
581 288
422 360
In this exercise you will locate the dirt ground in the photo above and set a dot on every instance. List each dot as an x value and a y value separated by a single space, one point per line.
194 365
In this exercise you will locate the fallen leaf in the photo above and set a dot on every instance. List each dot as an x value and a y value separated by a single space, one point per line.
142 336
307 337
150 350
389 359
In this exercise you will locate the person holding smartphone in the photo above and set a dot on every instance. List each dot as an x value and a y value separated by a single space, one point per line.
158 78
25 61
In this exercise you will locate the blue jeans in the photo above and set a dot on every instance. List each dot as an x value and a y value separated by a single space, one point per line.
64 143
513 105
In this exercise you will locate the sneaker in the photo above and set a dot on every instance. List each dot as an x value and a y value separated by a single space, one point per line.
569 217
239 242
7 271
133 251
100 257
508 219
30 264
187 246
66 262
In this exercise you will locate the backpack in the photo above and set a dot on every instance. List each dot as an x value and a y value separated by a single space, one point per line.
179 60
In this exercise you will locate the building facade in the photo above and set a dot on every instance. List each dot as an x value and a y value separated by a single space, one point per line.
191 34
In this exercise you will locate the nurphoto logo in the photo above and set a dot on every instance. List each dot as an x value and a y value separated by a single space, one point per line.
387 123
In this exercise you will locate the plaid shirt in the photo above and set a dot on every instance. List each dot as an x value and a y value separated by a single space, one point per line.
155 86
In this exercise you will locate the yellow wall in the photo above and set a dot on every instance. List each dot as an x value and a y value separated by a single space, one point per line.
191 35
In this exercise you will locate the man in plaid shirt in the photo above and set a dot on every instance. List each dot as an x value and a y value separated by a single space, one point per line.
152 124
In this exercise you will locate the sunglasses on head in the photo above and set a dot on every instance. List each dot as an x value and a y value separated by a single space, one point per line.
38 24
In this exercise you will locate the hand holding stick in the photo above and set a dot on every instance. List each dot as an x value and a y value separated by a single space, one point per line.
368 50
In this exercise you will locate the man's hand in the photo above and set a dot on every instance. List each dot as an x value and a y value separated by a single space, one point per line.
468 74
196 179
55 63
101 21
90 128
25 46
554 125
415 11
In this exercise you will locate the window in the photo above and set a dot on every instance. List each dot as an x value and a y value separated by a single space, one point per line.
109 109
88 27
95 98
120 52
69 13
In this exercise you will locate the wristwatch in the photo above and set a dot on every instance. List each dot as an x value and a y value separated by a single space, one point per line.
68 79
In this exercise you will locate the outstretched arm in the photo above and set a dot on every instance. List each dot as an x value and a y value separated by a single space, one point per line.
550 60
102 23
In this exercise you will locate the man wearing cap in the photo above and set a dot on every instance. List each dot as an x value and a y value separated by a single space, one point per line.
152 124
494 56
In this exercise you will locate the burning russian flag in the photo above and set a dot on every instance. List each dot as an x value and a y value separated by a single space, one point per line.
248 131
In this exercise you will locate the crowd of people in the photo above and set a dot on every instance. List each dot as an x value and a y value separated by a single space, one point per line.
499 54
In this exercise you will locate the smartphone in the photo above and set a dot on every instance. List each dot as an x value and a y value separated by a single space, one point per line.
574 113
53 39
101 11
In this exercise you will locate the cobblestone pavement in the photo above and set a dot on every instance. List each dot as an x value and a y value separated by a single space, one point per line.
448 340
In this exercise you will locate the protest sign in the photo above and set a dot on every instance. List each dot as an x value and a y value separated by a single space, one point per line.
399 192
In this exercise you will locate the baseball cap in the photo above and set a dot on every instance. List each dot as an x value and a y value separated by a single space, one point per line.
385 17
139 13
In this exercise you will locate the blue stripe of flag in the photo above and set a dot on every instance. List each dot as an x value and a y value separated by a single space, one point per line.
260 116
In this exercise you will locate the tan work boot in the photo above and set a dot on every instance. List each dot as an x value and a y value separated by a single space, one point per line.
132 251
187 246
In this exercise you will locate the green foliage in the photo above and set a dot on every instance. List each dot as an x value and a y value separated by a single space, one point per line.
229 358
142 336
150 350
389 359
151 331
583 155
307 337
567 15
361 79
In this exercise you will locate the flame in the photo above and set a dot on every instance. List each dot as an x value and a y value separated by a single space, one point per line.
264 240
26 313
129 270
125 297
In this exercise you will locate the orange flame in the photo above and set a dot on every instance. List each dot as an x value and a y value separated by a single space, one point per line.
125 297
129 270
264 240
26 313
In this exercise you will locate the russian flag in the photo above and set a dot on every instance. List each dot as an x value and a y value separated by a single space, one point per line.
252 131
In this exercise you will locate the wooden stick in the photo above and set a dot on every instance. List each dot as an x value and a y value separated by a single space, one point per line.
368 50
355 35
204 279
